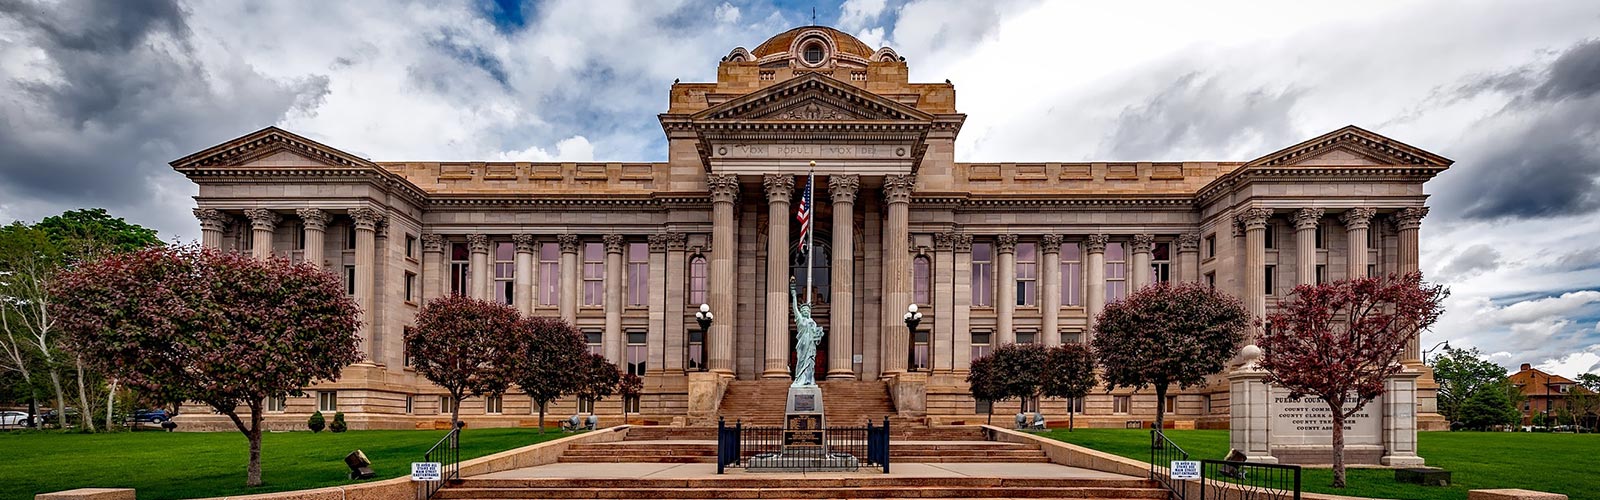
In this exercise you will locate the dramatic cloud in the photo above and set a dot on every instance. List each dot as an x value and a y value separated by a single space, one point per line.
1474 260
1201 114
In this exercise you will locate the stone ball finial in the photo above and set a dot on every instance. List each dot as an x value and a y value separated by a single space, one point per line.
1250 354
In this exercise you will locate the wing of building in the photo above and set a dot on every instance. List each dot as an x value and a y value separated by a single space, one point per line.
991 253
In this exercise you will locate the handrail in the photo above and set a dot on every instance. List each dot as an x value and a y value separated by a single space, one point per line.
449 458
1249 479
1162 452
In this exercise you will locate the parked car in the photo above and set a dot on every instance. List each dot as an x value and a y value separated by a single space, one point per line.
152 416
49 418
15 419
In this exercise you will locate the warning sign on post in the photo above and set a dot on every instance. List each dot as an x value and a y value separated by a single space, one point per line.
1185 469
425 471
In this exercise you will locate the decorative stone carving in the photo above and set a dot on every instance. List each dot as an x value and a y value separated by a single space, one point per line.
1189 242
1095 243
314 219
1005 243
479 243
813 111
366 217
432 242
1408 218
657 242
724 187
263 219
212 219
1307 218
1143 242
677 241
1237 229
944 241
614 243
569 242
961 242
1357 218
1254 218
524 243
842 188
779 187
897 188
1050 243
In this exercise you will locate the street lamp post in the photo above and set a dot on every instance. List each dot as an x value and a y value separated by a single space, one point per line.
703 316
1446 345
912 319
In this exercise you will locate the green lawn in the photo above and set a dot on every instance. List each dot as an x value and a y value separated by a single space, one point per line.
1559 463
175 465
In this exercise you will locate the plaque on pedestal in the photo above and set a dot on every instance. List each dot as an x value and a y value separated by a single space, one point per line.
803 423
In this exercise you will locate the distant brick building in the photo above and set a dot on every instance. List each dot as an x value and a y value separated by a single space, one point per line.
1545 392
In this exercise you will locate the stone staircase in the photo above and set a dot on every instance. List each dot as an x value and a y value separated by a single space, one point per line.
705 451
846 402
748 487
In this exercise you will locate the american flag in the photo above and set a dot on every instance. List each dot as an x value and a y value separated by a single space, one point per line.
803 212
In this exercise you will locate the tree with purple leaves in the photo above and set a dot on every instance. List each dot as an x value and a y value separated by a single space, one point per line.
465 345
547 350
220 328
1069 374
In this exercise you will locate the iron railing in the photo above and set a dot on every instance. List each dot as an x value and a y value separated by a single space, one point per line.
1162 452
447 452
1248 480
756 447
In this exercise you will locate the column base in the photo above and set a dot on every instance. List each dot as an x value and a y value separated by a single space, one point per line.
1402 460
775 374
841 375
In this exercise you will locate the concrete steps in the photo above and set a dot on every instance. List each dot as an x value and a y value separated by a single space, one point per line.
799 488
706 451
847 403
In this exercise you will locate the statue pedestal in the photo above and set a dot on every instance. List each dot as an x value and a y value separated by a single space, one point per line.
804 447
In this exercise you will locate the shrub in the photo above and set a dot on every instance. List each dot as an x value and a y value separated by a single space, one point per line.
316 423
338 422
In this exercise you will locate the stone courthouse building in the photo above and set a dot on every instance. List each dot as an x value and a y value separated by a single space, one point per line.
990 252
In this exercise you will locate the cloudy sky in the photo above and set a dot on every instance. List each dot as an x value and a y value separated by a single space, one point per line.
96 96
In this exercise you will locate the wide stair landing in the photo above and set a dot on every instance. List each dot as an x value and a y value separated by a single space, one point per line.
753 487
697 451
846 402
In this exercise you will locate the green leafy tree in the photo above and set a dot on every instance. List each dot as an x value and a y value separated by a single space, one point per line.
86 232
1069 374
1461 372
546 349
317 422
1585 407
1168 334
1590 381
1489 407
28 261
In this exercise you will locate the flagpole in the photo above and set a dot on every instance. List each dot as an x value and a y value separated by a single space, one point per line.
811 225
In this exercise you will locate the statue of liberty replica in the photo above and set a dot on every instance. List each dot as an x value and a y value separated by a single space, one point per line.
807 335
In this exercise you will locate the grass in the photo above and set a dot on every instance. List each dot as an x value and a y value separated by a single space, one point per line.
1557 463
162 465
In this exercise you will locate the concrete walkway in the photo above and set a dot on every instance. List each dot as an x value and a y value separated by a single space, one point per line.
631 470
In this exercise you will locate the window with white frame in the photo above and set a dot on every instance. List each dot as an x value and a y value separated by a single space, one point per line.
585 405
1116 272
1161 262
981 345
638 274
549 274
921 280
594 274
697 280
411 404
492 405
1027 269
596 341
446 404
505 272
982 274
637 351
1120 404
697 350
277 404
327 401
460 269
1071 275
920 351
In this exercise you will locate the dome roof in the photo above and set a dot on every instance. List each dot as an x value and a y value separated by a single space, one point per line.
844 42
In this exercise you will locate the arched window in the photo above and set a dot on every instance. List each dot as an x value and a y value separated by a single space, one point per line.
921 275
697 280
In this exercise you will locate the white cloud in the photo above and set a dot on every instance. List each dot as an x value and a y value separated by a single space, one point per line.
1573 364
727 13
858 14
575 148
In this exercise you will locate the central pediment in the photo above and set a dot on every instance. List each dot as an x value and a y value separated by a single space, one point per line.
813 97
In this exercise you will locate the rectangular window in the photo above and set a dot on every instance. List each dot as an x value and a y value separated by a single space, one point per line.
411 246
697 350
549 274
1116 272
350 237
980 343
585 405
982 274
411 404
1372 270
1027 337
492 405
638 274
328 401
594 274
697 280
1372 238
637 352
1119 404
1071 275
1211 280
1161 262
299 236
505 271
1271 235
1205 406
596 341
1211 245
460 269
276 404
919 351
411 286
1272 279
1075 405
630 404
921 280
1072 336
405 354
349 280
1027 274
1322 236
1322 273
1171 405
445 404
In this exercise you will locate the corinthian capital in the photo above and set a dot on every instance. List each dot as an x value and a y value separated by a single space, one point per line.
568 242
432 242
1189 242
677 241
1095 243
478 242
212 219
657 242
366 217
1005 243
1050 243
961 242
1143 242
614 243
1307 218
313 218
943 241
842 188
779 187
1357 218
724 187
524 243
263 219
1408 218
897 188
1254 218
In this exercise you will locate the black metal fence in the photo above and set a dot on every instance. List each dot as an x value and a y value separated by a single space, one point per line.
757 447
1162 452
447 452
1248 481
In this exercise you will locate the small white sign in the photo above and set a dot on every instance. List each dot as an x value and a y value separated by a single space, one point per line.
1185 469
425 471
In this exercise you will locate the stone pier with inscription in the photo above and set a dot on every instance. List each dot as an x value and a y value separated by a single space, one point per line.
1267 425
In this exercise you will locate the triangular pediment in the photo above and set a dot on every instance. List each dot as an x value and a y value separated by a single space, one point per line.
812 97
271 147
1350 146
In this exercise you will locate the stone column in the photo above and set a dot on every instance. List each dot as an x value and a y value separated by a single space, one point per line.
656 336
262 224
961 246
522 294
479 264
724 248
675 334
1254 221
316 225
1005 289
896 272
1094 272
1305 244
367 220
613 339
569 277
1050 296
1189 257
1399 406
433 270
212 223
841 320
779 188
943 296
1357 221
1141 261
1407 222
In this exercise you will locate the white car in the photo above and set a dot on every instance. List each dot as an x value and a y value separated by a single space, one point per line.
13 419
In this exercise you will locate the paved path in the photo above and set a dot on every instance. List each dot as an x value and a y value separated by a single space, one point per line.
632 470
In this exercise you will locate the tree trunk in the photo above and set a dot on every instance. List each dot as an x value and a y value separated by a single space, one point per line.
541 416
83 399
1071 415
61 398
1161 406
111 402
455 411
1338 446
252 475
